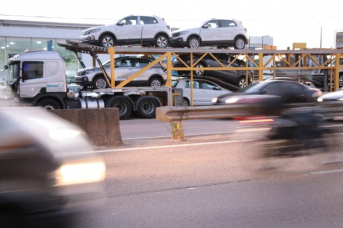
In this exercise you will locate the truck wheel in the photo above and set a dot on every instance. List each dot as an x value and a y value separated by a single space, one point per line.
147 108
99 82
155 82
123 104
161 41
49 104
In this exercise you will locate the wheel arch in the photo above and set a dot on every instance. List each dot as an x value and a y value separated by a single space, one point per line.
108 33
241 35
161 33
194 35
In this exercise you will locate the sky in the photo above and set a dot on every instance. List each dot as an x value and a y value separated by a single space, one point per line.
288 22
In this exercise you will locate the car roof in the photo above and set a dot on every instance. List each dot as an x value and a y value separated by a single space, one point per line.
134 57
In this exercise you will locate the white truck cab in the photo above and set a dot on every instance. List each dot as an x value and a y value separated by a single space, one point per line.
38 71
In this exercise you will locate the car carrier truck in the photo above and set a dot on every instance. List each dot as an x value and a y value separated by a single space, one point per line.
38 78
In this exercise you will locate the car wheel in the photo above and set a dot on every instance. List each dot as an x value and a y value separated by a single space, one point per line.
241 82
161 41
99 82
239 43
185 102
49 104
107 41
199 72
147 108
155 82
123 104
193 42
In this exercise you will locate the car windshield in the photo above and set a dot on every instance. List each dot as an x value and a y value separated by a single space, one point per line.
253 88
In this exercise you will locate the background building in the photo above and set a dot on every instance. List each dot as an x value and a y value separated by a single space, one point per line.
257 42
18 36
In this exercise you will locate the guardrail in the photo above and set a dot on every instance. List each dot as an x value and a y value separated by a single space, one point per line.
329 110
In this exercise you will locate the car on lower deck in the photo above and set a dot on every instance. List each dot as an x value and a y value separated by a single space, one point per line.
124 67
203 91
232 76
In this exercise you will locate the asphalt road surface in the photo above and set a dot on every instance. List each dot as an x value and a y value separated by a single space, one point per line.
216 180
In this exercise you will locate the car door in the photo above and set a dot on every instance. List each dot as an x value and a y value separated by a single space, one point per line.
210 35
294 92
150 27
210 91
140 64
123 69
228 31
197 92
129 31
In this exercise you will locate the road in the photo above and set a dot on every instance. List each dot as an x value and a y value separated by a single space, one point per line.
215 180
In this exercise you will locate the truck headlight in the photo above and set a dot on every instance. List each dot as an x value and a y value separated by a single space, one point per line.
80 173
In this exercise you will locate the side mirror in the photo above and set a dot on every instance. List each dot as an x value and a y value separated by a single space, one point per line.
206 26
120 23
217 88
6 67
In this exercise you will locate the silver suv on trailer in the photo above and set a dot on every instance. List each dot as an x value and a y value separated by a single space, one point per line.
133 29
214 32
124 67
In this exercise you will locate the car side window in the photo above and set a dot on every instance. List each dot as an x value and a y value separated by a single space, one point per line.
124 63
142 63
293 88
148 20
196 84
213 23
208 85
129 21
228 23
273 88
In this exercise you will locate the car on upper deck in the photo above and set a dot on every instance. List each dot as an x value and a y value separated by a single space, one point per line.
130 30
213 32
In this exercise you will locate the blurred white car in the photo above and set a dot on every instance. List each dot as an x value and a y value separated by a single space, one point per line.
203 91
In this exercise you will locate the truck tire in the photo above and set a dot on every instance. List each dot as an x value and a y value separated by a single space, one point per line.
123 104
147 108
49 104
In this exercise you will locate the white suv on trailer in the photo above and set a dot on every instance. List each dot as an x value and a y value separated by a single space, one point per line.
214 32
143 30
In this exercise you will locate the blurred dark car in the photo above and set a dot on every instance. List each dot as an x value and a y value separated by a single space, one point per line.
232 76
46 168
288 91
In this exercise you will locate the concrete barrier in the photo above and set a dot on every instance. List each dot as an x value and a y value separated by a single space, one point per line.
101 125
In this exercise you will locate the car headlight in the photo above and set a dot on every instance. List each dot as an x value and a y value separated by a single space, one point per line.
61 135
231 100
80 173
91 31
321 99
214 100
183 33
340 99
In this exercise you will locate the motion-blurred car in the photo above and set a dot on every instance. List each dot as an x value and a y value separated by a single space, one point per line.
232 76
46 167
133 29
214 32
203 91
334 96
290 92
124 67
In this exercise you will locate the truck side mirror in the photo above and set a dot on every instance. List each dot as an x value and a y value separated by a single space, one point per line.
24 75
6 67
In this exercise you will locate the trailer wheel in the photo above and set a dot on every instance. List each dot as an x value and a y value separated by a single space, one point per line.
147 108
123 104
49 104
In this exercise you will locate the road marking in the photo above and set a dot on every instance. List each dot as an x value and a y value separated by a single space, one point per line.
188 135
328 171
169 146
